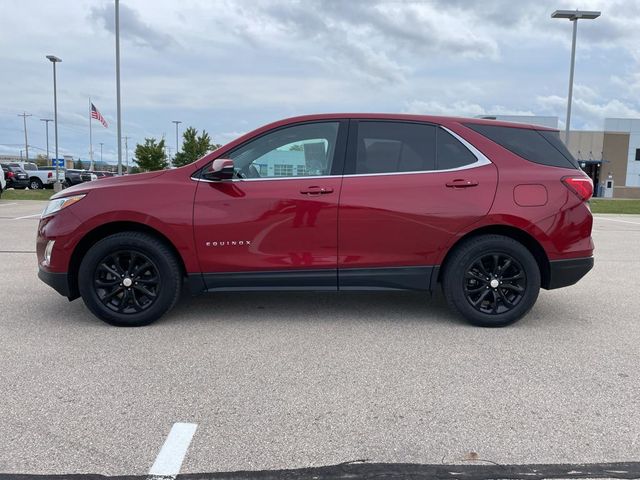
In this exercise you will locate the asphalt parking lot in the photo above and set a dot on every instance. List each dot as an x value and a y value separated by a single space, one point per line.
280 381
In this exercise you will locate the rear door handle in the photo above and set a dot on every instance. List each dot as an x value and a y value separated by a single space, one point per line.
316 190
462 183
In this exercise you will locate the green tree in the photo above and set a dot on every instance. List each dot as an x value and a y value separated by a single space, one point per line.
150 155
78 165
194 146
42 160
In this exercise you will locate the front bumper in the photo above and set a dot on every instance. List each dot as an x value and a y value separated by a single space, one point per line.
563 273
58 281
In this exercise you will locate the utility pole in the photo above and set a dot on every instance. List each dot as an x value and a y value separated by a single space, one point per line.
177 122
126 153
46 123
24 116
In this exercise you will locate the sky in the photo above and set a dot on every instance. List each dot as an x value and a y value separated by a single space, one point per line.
229 66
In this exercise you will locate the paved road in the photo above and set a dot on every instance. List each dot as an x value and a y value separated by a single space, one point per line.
296 380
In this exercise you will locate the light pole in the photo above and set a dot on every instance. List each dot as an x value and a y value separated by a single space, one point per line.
574 16
56 186
177 122
119 113
101 144
46 124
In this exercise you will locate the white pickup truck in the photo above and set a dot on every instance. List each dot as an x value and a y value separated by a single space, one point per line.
39 178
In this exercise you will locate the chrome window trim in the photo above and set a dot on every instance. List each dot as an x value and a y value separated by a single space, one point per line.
481 161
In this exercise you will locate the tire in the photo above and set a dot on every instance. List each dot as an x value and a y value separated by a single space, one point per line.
35 183
128 303
489 292
66 184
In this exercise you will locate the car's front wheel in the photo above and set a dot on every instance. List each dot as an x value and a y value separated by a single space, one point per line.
129 279
492 280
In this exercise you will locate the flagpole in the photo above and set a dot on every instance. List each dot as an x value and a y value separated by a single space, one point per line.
90 139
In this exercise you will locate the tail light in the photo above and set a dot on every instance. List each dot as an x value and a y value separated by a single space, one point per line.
10 174
50 175
581 186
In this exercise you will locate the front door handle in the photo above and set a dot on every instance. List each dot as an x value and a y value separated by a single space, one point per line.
316 190
462 183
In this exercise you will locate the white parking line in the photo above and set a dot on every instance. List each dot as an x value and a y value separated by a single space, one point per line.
28 216
616 220
7 204
169 460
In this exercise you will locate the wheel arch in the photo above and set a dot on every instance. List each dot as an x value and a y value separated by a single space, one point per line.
104 230
526 239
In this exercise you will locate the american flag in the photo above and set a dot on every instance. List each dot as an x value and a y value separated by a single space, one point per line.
98 116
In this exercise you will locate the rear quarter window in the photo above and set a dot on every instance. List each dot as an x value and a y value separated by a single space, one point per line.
539 146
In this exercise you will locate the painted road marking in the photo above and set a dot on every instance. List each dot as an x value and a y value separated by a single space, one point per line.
616 220
172 453
28 216
7 204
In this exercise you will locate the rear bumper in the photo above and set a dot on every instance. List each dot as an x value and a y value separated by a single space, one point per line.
58 281
18 183
563 273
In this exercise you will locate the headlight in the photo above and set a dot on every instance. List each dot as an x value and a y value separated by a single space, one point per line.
59 203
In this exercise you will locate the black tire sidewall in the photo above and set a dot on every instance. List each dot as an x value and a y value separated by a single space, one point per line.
453 284
157 251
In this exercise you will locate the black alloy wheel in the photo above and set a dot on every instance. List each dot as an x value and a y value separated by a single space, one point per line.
495 283
130 279
491 280
127 281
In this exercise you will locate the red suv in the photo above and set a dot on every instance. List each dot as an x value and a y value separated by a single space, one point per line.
490 210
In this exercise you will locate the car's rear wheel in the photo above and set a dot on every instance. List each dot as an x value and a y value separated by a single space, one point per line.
492 280
129 279
35 184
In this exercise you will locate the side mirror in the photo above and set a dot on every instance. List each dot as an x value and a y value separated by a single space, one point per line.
220 169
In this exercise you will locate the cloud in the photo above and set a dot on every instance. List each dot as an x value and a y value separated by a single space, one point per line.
460 108
372 40
237 64
131 26
592 112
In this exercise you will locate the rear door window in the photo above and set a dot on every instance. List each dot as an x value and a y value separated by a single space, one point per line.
538 146
451 152
390 147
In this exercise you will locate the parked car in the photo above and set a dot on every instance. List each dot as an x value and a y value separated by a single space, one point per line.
38 178
75 177
3 182
491 211
15 176
102 174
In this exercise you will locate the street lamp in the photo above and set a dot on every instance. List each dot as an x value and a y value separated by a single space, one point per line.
177 122
101 144
574 16
56 186
46 123
118 106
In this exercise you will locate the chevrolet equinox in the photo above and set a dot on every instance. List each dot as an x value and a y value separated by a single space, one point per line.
491 211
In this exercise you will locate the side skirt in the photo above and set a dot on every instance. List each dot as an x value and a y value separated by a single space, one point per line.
348 279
